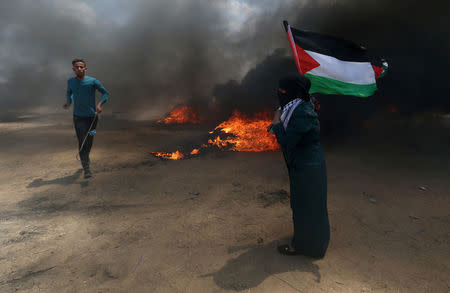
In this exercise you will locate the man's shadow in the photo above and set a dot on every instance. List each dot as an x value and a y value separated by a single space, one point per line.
66 180
252 267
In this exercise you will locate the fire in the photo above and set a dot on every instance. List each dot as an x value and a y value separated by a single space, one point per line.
180 115
247 134
242 134
169 156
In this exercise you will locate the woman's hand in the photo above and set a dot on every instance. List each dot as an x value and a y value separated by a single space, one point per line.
276 119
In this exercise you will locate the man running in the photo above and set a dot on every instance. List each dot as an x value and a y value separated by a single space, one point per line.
81 90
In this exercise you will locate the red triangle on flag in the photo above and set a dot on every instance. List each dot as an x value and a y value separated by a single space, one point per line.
378 71
307 62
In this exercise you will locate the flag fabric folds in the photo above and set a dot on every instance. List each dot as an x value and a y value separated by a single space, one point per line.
334 65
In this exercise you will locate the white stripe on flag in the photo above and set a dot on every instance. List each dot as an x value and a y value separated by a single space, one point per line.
345 71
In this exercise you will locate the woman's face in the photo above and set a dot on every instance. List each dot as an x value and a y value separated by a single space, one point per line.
283 98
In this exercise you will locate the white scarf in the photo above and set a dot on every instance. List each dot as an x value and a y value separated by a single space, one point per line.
288 109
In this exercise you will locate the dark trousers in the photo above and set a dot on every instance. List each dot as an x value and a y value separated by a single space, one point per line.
82 125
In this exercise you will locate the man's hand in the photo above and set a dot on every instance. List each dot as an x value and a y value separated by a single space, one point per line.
99 108
66 106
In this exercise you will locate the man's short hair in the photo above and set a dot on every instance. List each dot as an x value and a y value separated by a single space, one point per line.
78 60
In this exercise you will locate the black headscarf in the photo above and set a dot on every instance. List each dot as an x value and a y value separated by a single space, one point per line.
296 86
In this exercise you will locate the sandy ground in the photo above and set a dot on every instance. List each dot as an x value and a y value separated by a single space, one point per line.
210 223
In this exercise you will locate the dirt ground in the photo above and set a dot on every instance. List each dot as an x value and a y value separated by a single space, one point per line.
209 223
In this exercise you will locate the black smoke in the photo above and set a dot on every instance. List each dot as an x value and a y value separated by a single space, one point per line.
171 52
413 36
164 53
257 90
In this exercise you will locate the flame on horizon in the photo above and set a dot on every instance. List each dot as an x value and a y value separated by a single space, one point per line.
181 115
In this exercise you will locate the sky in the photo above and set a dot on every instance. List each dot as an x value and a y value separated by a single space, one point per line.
153 55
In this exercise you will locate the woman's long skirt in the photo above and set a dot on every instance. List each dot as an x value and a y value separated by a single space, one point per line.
308 184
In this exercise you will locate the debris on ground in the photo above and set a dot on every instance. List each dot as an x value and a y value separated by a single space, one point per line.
273 197
422 187
370 196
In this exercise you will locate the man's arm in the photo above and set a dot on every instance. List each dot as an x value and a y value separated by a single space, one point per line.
105 95
68 97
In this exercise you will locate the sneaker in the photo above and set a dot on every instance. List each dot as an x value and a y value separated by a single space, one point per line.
87 174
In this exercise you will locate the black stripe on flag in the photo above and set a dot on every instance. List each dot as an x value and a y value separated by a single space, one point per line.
331 46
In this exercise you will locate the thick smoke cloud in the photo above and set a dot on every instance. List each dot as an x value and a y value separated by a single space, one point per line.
214 54
257 90
161 54
38 40
412 35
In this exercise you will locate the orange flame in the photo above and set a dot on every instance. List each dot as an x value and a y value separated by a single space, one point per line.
180 115
245 134
169 156
248 134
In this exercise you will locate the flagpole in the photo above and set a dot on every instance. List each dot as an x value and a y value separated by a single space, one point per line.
287 27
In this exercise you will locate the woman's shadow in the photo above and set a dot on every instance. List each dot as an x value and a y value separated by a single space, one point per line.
252 267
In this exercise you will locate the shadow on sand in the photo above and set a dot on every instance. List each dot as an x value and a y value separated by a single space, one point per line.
252 267
66 180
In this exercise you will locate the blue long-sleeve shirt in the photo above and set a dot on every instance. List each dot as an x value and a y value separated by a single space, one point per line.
82 93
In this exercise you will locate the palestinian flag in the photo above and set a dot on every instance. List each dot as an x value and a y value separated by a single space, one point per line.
333 65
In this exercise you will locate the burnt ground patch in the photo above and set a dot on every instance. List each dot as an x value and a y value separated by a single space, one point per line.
269 198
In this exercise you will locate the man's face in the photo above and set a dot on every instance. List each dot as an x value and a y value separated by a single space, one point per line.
79 68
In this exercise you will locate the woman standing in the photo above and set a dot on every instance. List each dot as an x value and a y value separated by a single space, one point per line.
297 129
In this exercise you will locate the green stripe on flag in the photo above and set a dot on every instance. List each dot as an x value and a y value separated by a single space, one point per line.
324 85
